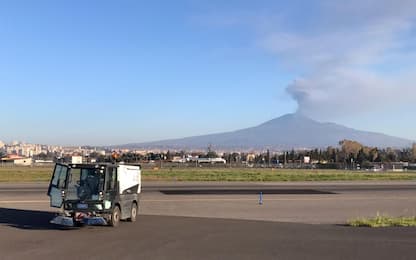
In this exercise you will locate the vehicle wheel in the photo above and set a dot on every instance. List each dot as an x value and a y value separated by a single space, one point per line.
78 223
133 212
115 217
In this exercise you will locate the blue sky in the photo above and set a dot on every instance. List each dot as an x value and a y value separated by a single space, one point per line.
113 72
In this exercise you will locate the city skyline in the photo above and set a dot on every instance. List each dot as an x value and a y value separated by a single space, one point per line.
100 73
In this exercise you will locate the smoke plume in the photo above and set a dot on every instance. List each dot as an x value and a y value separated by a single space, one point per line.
357 57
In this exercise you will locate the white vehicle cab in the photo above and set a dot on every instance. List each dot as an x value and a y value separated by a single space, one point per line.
95 194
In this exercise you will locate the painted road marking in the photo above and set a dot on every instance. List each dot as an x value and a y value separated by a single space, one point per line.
273 199
22 201
225 199
23 190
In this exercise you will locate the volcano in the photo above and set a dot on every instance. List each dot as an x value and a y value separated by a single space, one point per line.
291 131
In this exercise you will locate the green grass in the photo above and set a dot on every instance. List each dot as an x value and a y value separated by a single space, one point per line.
42 174
384 221
248 174
25 174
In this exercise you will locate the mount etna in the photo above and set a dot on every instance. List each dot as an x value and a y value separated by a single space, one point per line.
291 131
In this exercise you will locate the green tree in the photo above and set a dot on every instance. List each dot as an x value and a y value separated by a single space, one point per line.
350 147
391 155
169 155
361 156
42 156
212 154
373 155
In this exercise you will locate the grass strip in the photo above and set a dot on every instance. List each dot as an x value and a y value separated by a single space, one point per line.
25 174
267 175
383 221
43 174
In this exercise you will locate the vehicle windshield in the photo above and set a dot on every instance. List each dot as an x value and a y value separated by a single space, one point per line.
84 184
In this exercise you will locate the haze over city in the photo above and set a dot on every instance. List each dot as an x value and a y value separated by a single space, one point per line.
102 73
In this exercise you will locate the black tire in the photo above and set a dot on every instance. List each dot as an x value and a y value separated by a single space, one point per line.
115 217
78 223
133 212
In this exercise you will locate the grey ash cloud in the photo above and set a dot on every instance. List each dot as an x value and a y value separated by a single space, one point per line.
355 56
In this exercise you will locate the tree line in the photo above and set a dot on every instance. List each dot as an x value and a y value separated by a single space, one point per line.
346 154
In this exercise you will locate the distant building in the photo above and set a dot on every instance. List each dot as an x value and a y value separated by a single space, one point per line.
398 167
212 160
17 160
251 157
178 159
43 162
24 162
76 159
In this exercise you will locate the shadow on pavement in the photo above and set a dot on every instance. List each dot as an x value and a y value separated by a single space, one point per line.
27 219
243 191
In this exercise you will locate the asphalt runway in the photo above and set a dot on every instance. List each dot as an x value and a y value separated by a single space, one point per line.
306 202
219 221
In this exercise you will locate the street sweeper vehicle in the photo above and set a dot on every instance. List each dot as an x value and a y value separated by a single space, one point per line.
95 194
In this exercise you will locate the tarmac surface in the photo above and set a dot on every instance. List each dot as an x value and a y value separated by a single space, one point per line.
220 221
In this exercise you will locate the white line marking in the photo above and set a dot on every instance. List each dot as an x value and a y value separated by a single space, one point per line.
274 199
22 201
25 190
225 199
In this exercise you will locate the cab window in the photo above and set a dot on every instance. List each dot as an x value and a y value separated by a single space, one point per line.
111 179
59 176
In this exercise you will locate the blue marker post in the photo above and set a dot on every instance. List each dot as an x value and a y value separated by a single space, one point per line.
261 198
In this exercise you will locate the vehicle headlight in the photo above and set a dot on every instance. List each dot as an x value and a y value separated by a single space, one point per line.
99 206
107 204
